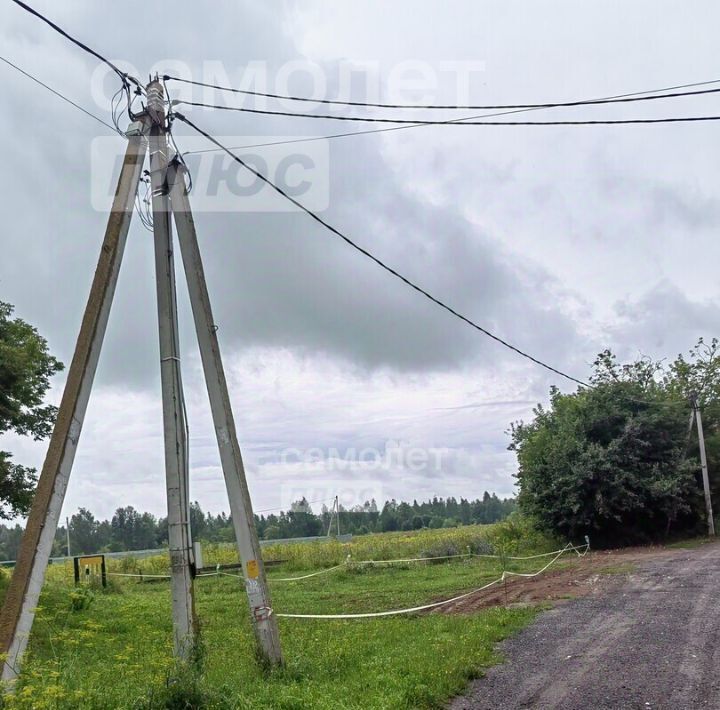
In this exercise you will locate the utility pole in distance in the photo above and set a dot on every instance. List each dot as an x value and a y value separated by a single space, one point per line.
704 466
67 534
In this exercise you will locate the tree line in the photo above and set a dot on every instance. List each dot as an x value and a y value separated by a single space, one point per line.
130 529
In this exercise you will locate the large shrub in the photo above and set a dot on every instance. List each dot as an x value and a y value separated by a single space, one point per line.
610 460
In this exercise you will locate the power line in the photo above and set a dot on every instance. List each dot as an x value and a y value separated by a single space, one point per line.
125 78
345 135
123 75
58 94
619 98
220 147
456 121
375 259
416 125
317 218
146 219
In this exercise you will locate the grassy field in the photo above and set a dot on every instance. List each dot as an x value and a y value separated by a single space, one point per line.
113 648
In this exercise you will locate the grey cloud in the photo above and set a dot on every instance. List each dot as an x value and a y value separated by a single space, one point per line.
664 322
276 279
684 208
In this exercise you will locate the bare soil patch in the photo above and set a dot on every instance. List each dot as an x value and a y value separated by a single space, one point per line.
571 578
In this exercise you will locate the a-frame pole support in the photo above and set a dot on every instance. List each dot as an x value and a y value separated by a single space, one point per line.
22 596
185 626
264 623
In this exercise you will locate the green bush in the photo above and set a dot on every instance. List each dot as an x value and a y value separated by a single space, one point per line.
610 461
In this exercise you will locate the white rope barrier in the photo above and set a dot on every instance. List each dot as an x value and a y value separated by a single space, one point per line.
348 562
409 559
216 574
394 612
568 548
508 573
557 554
142 576
312 574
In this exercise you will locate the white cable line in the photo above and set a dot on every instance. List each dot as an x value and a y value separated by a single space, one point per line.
388 613
126 574
507 573
393 612
410 559
548 554
558 553
218 573
312 574
567 548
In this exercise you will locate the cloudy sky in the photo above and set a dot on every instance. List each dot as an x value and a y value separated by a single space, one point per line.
562 240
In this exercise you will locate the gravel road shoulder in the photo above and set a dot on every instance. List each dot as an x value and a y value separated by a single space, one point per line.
647 638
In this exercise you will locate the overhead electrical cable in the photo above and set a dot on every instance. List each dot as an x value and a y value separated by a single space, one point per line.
398 275
125 78
309 139
619 98
390 129
375 259
469 121
123 75
58 94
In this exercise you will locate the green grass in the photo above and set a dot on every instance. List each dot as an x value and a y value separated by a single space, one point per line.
115 650
513 536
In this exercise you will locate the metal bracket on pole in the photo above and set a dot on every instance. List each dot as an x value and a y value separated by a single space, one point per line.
264 622
185 626
22 596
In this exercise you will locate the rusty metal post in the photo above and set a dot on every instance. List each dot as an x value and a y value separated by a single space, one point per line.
185 626
18 609
264 622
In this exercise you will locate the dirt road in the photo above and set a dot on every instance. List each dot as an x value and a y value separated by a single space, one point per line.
649 639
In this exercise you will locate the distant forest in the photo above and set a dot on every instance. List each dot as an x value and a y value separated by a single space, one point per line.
130 529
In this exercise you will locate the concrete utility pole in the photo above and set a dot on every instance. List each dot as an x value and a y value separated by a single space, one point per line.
264 623
18 609
185 625
23 593
67 535
704 466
